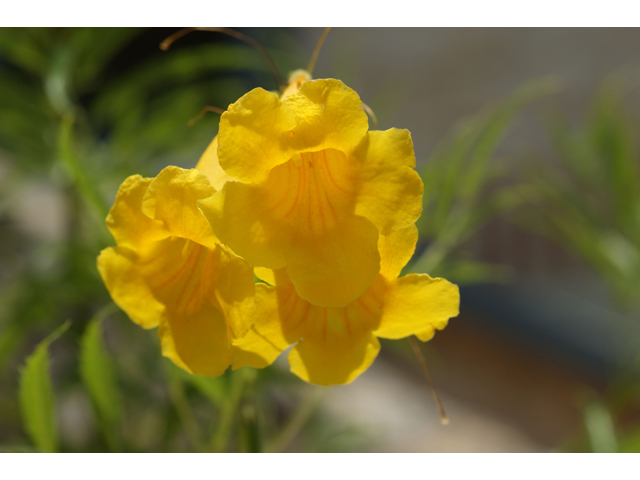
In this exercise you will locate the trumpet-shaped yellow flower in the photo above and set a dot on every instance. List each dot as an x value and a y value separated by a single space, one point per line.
336 344
169 270
312 190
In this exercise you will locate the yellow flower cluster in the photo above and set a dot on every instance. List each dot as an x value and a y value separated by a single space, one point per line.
296 190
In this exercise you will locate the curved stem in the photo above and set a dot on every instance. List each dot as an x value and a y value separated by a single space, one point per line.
205 109
316 51
166 43
416 348
367 109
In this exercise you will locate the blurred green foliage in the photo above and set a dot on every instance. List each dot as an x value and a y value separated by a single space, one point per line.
590 202
463 190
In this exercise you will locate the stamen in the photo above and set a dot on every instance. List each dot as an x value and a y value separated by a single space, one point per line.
205 109
367 109
316 51
166 43
416 348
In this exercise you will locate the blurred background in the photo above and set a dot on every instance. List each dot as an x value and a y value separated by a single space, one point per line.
527 142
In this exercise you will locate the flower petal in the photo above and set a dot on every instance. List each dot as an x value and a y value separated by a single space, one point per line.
336 344
335 267
334 362
200 341
128 289
171 198
236 215
180 274
266 338
126 222
417 304
390 190
255 136
265 274
328 114
396 250
235 290
280 317
210 166
168 346
426 335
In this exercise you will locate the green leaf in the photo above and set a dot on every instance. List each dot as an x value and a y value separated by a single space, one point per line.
98 375
600 428
36 396
85 186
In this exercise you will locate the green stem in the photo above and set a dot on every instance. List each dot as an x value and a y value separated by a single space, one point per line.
107 310
222 434
297 420
249 431
183 409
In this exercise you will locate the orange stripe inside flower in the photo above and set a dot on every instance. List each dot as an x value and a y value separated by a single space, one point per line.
311 192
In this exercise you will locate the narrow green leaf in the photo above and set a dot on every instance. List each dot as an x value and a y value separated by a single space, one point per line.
98 375
496 128
36 396
86 186
600 428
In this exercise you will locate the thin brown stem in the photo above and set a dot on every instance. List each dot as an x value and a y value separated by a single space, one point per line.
316 51
367 109
205 109
166 43
416 348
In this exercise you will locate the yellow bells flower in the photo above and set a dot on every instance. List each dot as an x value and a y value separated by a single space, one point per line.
336 344
312 189
169 270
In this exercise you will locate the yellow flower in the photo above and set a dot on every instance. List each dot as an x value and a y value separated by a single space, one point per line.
169 270
312 190
336 344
